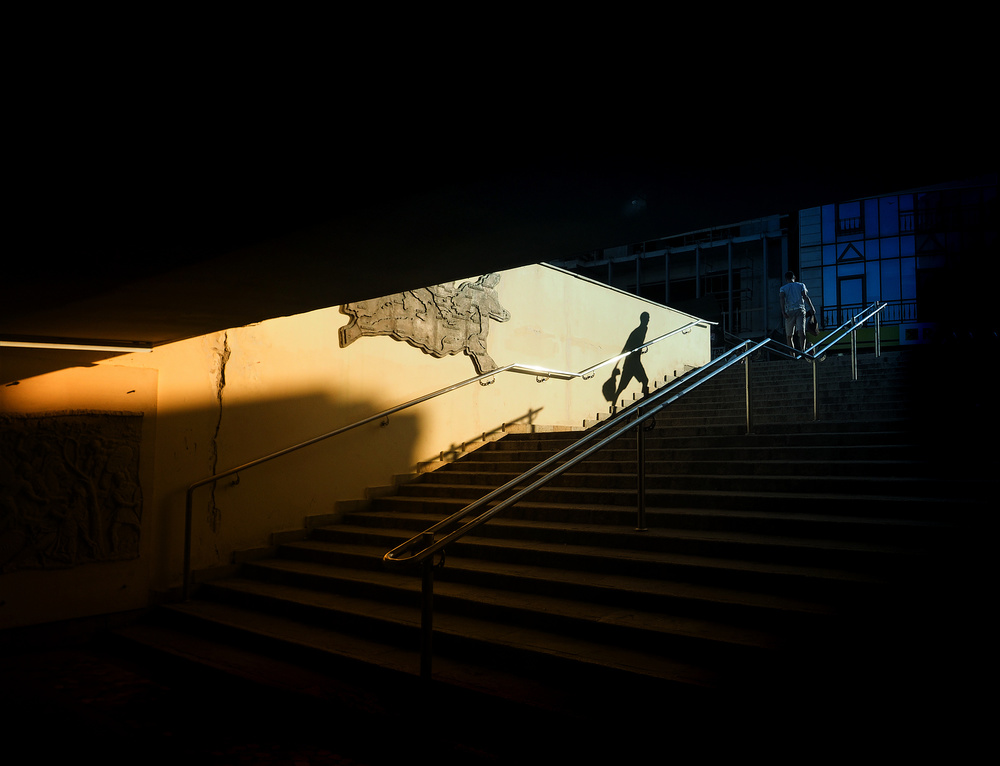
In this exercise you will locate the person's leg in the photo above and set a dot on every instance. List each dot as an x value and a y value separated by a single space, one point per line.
644 379
800 330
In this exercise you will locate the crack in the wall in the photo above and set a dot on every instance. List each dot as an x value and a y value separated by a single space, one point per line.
214 513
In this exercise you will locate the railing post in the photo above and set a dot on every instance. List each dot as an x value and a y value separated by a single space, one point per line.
426 614
640 471
187 546
854 354
746 375
878 334
815 391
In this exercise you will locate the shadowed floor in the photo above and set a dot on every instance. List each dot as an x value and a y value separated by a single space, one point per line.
90 704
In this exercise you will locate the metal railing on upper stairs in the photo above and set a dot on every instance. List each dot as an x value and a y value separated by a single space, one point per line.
851 326
419 551
817 352
541 374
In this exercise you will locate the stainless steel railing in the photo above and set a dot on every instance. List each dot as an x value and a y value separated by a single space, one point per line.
849 328
817 352
420 549
541 374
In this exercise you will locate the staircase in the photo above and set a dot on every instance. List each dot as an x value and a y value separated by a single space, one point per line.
780 571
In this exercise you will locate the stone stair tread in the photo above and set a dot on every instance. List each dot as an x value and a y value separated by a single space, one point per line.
873 429
500 478
447 620
826 518
788 498
248 664
402 660
657 463
735 565
600 581
270 671
657 513
748 538
624 462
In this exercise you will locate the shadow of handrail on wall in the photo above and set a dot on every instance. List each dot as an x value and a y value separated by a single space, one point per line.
455 451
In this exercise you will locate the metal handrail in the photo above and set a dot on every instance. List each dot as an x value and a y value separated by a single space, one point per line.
852 326
541 374
591 371
818 352
426 546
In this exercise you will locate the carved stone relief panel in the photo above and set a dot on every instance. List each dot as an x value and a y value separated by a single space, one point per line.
441 320
69 489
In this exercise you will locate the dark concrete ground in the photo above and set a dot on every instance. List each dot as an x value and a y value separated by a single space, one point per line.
88 704
97 701
91 703
901 689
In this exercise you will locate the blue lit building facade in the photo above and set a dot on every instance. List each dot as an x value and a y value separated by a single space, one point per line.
921 251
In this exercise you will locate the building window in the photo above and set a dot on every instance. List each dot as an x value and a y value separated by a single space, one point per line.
851 292
849 218
890 216
850 253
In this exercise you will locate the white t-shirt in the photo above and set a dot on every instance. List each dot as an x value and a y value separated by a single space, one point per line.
795 293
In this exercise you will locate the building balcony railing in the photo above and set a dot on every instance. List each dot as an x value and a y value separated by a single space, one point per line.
943 219
895 312
851 225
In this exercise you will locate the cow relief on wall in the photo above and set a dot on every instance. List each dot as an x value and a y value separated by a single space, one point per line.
441 320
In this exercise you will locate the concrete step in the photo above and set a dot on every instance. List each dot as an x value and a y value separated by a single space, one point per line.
620 488
781 521
703 556
664 443
325 663
329 566
830 432
684 454
361 600
277 619
790 464
331 675
916 507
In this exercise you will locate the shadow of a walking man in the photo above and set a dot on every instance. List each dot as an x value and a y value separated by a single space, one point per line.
632 366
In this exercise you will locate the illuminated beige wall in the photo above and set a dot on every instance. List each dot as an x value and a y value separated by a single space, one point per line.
218 401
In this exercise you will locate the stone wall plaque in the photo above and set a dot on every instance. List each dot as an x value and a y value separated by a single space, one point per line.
69 489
